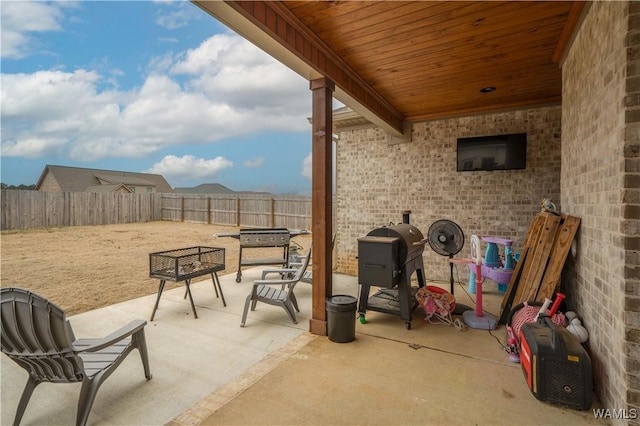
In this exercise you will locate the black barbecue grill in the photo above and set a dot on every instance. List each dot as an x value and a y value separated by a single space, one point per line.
388 257
263 238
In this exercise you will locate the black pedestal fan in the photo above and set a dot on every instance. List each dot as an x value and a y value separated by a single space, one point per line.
447 239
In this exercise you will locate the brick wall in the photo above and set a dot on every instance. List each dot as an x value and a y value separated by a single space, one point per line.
599 183
49 184
631 209
377 180
595 175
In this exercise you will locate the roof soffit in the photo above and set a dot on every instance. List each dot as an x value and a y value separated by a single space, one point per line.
411 60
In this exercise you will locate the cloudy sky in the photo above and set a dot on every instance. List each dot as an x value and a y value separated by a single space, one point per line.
142 86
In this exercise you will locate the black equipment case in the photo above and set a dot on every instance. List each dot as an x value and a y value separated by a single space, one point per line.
556 366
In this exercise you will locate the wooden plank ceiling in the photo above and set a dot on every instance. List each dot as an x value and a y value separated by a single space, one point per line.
427 59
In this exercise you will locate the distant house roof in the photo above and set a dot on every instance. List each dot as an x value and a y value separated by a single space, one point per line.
78 179
205 188
216 188
125 178
116 187
253 193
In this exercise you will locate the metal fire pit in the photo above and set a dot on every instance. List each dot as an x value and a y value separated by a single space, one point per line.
388 257
184 264
260 238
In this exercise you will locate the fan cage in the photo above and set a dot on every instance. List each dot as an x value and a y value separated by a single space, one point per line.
453 234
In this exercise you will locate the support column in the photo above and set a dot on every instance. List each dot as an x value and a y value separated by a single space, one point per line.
321 201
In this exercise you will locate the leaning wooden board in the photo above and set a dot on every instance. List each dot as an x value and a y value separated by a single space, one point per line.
527 250
538 261
561 247
523 265
546 247
507 301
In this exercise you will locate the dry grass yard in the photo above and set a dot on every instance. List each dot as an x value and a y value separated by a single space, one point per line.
87 267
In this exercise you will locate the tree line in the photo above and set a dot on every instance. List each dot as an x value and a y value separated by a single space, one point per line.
21 186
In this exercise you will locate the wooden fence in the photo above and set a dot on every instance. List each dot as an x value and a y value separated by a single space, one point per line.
36 210
244 210
21 209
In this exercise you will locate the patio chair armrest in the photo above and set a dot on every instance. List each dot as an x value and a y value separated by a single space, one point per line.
256 283
125 331
278 271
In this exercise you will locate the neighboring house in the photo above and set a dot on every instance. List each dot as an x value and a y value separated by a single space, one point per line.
216 189
78 179
206 188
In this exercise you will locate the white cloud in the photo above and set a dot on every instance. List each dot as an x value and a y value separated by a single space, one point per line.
229 67
49 95
31 147
178 15
20 18
160 64
254 162
306 166
216 53
188 167
232 89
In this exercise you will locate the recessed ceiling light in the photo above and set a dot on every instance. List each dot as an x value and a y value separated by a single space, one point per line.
487 89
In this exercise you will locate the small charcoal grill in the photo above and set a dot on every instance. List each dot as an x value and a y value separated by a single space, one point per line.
183 264
263 238
388 257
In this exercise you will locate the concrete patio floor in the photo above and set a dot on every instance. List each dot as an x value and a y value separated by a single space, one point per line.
209 370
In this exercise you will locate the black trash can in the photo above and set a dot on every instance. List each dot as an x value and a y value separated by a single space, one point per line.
341 318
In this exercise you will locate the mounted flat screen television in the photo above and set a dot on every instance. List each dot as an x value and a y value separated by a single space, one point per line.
499 152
